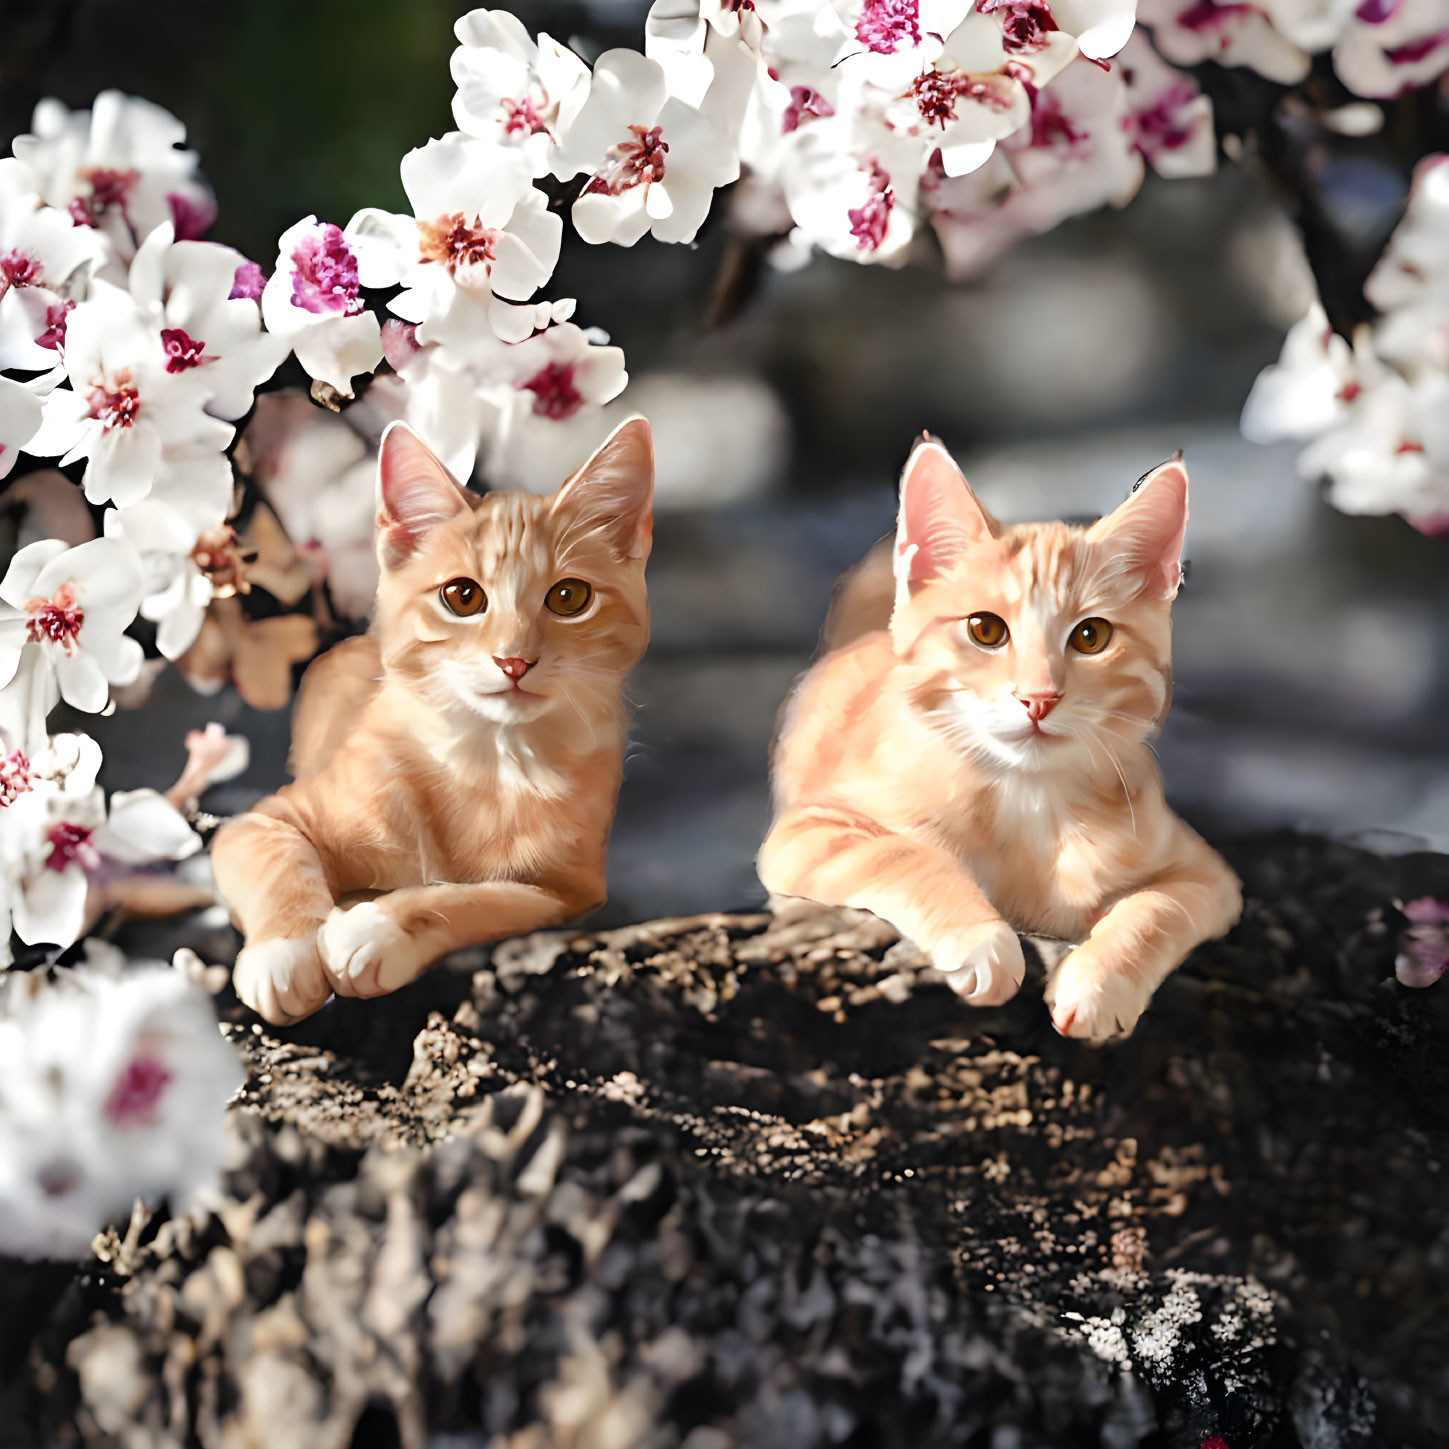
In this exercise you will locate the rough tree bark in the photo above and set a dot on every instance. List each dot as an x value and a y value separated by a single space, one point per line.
759 1180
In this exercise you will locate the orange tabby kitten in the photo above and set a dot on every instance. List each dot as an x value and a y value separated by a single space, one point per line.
977 764
463 757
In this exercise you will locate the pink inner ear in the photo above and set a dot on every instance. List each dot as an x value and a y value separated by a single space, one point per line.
616 488
415 491
940 516
1149 527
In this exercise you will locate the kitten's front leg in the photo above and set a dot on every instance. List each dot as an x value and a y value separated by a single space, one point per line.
271 878
841 858
1101 988
376 947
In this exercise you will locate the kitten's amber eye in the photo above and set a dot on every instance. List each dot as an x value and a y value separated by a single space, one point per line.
463 596
988 630
569 597
1091 636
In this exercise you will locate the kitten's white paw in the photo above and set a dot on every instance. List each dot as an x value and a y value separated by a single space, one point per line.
281 980
984 965
365 952
1092 1002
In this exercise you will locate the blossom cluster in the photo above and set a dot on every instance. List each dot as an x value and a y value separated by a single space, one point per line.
1374 416
113 1079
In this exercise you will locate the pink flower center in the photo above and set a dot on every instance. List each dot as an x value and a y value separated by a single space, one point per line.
868 222
1025 24
137 1091
1052 128
108 188
182 352
115 406
53 337
248 282
324 273
71 845
521 117
454 242
1413 51
1158 127
804 101
886 26
639 162
937 92
1207 14
56 620
19 269
14 777
554 393
190 219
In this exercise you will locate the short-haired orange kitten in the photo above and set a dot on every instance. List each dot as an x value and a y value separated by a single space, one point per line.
461 760
977 763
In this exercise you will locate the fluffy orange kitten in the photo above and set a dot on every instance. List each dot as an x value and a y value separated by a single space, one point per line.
463 757
977 763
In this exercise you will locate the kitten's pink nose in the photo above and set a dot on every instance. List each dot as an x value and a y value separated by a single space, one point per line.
514 668
1039 706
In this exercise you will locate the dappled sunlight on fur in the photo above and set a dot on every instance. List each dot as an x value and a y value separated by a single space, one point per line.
971 752
462 758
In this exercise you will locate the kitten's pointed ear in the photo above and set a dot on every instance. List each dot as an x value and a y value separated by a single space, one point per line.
1148 528
613 492
415 493
939 517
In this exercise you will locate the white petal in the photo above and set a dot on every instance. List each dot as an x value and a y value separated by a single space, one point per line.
385 245
143 827
18 586
82 685
336 350
177 631
107 575
118 656
123 466
51 906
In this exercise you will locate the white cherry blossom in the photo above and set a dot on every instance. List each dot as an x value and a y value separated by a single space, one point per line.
1168 121
117 167
851 188
480 232
67 833
1307 390
1410 284
64 611
45 265
1391 46
890 42
114 1081
1390 454
1188 32
968 99
513 90
124 409
653 163
185 289
313 302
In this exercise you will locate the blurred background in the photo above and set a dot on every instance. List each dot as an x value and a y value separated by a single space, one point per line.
1312 649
